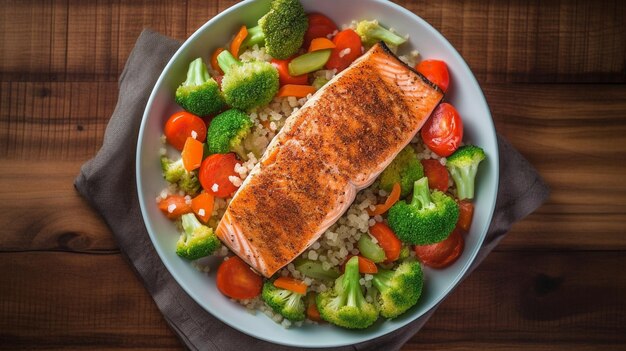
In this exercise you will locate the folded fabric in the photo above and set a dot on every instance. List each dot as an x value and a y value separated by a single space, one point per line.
108 182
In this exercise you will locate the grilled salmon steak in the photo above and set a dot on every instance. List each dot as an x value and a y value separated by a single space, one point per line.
335 145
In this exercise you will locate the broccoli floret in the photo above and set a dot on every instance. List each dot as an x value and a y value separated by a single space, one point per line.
428 219
199 94
371 32
249 84
462 165
286 302
197 240
175 173
314 269
404 169
319 82
281 30
345 305
226 132
398 289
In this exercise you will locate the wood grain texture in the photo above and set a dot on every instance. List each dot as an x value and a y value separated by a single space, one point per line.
528 300
553 72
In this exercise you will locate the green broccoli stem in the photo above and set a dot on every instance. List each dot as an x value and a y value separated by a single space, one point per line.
226 60
255 37
421 194
239 150
464 178
351 286
190 224
381 279
387 36
197 74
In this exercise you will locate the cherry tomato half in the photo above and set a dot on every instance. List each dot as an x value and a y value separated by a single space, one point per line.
443 131
443 253
320 26
236 280
436 173
214 172
436 71
346 39
282 66
182 125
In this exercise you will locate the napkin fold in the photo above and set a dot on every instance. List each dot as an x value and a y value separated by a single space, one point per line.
108 183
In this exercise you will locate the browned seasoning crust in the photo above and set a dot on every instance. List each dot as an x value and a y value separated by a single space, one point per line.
356 125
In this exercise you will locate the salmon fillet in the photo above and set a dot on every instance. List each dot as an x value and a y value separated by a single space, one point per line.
335 145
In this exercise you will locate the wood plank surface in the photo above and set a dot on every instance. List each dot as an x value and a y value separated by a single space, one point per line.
553 72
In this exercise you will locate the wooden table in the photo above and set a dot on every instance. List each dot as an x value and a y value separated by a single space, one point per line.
554 73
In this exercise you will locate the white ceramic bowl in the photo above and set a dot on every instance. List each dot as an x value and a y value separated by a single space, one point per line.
464 94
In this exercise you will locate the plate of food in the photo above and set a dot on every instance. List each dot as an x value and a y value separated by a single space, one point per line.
315 173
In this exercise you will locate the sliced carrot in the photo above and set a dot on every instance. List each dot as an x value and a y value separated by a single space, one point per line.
192 154
214 63
387 240
298 91
321 44
291 284
235 45
391 200
174 206
312 312
202 206
366 265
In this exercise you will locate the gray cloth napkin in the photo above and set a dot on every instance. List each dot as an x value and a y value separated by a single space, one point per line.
108 183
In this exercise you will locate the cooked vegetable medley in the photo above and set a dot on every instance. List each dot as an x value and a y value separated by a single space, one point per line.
367 265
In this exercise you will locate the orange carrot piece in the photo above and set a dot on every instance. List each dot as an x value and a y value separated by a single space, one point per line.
235 45
202 206
366 265
192 154
298 91
321 44
387 240
214 63
174 206
312 312
291 284
391 200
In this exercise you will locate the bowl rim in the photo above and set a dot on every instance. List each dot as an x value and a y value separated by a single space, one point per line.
494 159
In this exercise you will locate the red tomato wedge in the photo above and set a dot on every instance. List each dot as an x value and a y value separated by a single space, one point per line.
182 125
291 284
202 206
214 172
437 174
192 154
441 254
443 131
341 57
174 206
236 280
466 213
320 26
387 240
282 66
436 71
